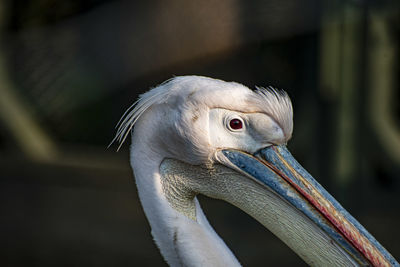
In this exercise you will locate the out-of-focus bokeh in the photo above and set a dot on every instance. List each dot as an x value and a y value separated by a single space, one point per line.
69 69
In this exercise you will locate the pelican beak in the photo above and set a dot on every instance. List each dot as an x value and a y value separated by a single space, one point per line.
275 168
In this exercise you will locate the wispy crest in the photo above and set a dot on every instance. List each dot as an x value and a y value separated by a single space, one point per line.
136 110
277 102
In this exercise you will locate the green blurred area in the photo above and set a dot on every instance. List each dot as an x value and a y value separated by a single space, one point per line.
68 71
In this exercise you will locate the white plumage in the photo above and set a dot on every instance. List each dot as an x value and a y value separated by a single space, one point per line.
183 130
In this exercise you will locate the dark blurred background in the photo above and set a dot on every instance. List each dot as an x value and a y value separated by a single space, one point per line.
69 69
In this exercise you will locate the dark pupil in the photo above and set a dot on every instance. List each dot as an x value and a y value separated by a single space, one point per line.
236 124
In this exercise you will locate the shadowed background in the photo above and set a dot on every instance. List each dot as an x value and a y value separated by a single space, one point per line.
69 69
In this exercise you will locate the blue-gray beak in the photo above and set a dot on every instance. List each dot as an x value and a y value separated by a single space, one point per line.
275 168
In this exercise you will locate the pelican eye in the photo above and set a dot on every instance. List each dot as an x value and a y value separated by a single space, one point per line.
235 124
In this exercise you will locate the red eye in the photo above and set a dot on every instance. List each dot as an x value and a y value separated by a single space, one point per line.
236 124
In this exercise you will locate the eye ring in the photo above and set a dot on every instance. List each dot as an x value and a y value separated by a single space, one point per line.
235 124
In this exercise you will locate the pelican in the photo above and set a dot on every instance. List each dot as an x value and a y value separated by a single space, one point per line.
197 135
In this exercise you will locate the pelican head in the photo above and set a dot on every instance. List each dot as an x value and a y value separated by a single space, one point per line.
197 135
